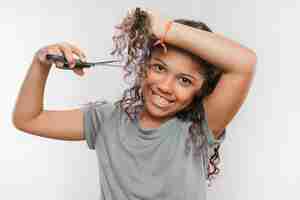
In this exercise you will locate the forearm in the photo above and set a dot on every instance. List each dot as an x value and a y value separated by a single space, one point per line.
29 103
214 48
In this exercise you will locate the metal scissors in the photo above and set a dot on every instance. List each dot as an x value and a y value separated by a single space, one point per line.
80 64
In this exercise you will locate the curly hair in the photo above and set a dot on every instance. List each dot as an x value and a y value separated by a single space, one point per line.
135 42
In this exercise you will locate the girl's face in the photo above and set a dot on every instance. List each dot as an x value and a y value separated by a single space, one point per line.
172 81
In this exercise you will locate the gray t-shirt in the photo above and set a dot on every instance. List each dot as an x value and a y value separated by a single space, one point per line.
144 164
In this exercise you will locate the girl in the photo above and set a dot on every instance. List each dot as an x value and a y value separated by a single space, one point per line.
161 140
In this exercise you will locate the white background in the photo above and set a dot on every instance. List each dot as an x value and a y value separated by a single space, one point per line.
260 155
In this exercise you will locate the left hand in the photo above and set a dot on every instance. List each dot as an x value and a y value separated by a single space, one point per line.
157 22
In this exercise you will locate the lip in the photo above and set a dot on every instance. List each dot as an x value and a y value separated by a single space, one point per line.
162 96
171 103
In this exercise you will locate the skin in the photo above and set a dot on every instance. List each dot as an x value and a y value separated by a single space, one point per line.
237 61
174 76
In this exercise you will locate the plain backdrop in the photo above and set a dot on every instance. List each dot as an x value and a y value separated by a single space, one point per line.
260 154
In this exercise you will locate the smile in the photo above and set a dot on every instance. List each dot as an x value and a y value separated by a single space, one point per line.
160 101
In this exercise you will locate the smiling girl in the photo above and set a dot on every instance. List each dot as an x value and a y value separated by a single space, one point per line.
161 140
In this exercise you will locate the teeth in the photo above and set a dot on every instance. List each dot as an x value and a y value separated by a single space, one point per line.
160 101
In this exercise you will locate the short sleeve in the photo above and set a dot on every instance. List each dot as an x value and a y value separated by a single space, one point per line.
212 140
93 119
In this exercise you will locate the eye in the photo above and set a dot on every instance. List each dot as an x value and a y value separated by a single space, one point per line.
157 67
185 81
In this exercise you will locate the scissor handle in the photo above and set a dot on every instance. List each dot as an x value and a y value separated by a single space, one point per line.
57 58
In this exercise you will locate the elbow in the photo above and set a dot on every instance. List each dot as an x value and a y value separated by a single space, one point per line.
249 62
252 60
17 124
14 121
22 126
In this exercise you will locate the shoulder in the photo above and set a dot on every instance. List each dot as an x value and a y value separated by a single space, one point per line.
99 108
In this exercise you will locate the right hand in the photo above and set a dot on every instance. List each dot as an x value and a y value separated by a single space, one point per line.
70 51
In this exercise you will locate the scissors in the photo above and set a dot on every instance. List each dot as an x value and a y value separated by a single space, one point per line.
80 64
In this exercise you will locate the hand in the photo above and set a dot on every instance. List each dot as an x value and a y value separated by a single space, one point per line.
158 22
70 51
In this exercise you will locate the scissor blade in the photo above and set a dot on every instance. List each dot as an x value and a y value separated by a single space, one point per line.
104 62
108 65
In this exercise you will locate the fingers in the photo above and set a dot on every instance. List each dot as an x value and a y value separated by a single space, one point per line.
79 72
76 50
68 50
41 54
81 55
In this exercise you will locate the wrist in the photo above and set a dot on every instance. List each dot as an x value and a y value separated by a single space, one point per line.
161 28
43 67
162 33
37 61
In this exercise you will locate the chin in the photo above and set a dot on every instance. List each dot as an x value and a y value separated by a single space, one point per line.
157 112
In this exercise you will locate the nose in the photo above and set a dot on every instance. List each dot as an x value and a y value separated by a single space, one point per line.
165 85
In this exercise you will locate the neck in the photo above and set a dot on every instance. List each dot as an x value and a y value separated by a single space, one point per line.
148 121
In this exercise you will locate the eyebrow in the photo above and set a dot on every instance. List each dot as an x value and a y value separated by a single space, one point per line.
180 73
